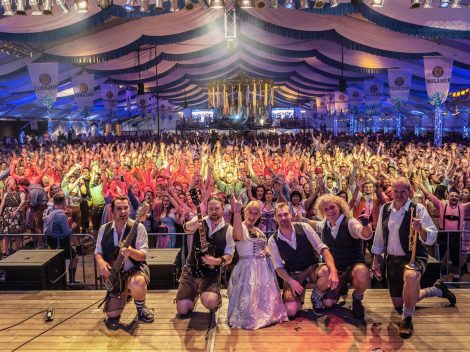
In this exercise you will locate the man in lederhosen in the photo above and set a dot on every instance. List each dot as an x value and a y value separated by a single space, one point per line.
392 238
135 266
295 250
201 273
344 237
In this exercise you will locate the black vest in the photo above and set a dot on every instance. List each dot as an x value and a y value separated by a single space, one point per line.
297 259
404 231
346 250
217 242
107 245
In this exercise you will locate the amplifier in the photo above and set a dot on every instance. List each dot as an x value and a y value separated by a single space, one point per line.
165 268
42 269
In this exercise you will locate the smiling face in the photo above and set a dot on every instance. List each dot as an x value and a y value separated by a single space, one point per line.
283 216
331 211
252 214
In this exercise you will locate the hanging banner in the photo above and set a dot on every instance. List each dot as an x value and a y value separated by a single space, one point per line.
437 73
399 85
142 103
45 80
109 94
330 104
355 97
373 91
153 101
321 106
341 102
129 99
84 92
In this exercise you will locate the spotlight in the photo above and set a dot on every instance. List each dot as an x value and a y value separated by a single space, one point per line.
274 4
377 3
333 3
47 7
20 7
444 3
318 4
174 6
217 4
159 5
36 7
289 4
7 6
427 4
188 5
246 4
415 4
81 5
128 6
303 4
260 4
356 3
455 4
65 8
144 7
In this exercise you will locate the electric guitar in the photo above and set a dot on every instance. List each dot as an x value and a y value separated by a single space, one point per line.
200 269
115 283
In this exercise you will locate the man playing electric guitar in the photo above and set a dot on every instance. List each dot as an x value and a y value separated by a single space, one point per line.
201 273
134 273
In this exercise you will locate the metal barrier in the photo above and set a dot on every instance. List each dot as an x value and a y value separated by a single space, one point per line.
449 234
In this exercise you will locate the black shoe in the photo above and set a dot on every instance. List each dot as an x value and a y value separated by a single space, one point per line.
319 311
358 309
446 293
112 323
145 315
405 328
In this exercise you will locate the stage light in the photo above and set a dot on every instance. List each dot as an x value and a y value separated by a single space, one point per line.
274 4
455 4
415 4
444 4
188 5
289 4
377 3
47 7
174 6
303 4
333 3
36 7
20 7
128 6
427 4
217 4
318 4
159 5
65 8
246 4
144 6
7 7
260 4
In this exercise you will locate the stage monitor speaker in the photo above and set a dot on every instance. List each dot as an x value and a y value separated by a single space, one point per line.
42 269
165 267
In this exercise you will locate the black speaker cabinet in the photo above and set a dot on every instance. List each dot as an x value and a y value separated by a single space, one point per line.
432 273
165 266
42 269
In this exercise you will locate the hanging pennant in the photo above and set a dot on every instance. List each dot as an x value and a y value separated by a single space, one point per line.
321 106
142 103
129 99
373 96
355 97
84 92
399 84
341 102
109 94
437 73
45 79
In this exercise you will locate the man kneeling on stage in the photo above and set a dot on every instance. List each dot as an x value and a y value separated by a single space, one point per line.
398 223
135 268
344 236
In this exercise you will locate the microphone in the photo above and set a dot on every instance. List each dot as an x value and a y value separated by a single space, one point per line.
49 314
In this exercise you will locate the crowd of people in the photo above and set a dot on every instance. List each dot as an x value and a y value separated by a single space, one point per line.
268 175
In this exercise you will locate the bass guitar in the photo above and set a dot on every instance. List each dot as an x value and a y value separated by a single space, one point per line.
115 283
205 247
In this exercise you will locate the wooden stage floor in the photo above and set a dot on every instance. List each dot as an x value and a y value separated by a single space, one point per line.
78 326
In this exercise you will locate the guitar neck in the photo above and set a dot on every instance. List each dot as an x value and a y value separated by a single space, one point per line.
202 231
130 237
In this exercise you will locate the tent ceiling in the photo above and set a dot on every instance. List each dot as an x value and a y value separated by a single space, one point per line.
299 50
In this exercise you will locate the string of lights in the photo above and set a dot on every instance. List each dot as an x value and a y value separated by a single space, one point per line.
15 49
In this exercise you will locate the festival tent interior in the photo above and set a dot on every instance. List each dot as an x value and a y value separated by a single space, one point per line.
334 61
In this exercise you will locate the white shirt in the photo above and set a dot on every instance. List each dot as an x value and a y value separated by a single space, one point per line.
312 237
394 223
141 242
354 226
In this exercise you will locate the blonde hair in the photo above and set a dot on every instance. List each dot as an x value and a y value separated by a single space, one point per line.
253 204
331 198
